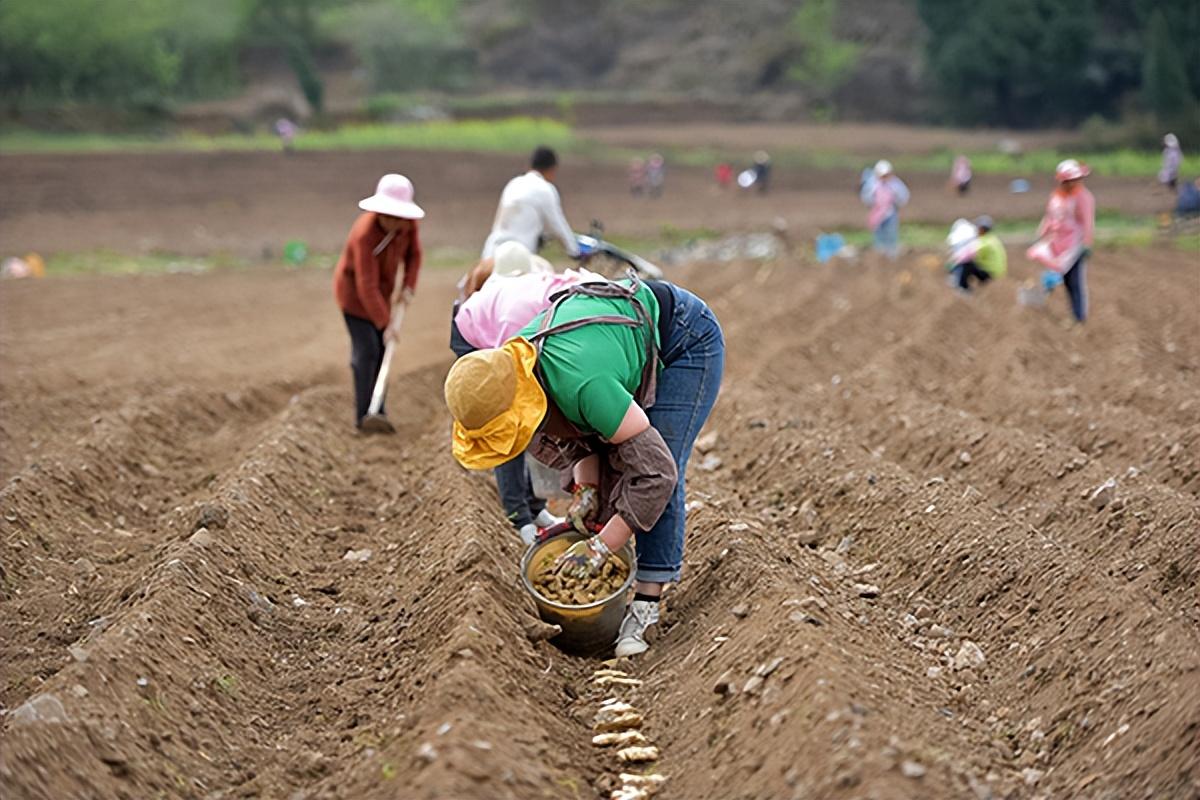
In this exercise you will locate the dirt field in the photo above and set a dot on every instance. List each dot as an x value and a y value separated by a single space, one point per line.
182 485
250 204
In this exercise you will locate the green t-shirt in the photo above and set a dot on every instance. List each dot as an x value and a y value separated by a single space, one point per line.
592 372
991 257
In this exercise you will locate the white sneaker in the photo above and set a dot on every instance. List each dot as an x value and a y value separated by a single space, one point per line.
640 615
545 519
528 533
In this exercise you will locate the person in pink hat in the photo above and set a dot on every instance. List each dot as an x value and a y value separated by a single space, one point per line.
364 281
1066 234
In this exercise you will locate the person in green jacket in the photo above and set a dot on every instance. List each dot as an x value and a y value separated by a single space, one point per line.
988 261
613 382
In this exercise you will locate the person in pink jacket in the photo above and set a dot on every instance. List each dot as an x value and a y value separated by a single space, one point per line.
1066 235
518 289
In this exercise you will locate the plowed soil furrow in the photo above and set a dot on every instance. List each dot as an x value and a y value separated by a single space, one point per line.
864 613
953 561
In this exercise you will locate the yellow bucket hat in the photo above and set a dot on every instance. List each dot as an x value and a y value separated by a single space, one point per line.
497 404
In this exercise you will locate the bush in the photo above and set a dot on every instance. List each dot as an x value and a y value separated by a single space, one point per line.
1165 84
136 53
405 46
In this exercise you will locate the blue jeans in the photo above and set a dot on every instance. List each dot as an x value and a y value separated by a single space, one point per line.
887 236
693 357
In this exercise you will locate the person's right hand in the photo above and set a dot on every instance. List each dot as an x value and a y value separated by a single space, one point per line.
585 504
391 331
584 558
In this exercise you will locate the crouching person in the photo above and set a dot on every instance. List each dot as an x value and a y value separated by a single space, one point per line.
613 382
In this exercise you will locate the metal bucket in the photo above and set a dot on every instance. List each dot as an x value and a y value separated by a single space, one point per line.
586 630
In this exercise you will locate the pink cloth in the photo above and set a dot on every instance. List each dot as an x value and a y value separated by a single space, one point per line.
507 303
883 204
1067 228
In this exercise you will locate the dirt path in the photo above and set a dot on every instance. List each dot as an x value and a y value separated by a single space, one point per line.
179 501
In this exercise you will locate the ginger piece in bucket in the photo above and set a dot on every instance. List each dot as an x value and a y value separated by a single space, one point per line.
568 591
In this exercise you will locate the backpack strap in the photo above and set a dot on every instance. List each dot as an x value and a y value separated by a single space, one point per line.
647 388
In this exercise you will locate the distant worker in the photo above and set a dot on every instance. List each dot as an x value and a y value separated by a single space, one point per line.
286 130
724 175
886 194
530 208
866 179
364 281
976 253
637 177
656 175
960 175
1066 235
1172 158
762 171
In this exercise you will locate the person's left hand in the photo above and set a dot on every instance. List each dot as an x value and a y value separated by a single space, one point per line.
585 503
584 558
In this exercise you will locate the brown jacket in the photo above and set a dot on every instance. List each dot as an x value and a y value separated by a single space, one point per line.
363 281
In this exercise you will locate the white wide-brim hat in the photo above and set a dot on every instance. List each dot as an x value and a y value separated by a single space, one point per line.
513 258
394 197
1070 170
883 167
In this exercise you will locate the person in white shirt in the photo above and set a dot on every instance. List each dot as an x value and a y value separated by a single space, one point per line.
530 208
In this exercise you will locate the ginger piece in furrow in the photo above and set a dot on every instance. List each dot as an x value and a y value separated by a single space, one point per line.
629 793
622 722
622 739
637 755
614 680
651 782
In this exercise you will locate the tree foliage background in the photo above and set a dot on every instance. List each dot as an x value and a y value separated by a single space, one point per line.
1007 62
1035 62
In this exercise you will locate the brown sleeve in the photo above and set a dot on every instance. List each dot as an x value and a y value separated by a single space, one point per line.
560 454
647 478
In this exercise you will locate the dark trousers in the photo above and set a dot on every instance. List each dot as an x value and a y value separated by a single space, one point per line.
515 485
967 270
458 342
513 480
1075 280
366 357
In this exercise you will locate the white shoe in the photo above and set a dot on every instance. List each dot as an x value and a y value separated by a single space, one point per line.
640 615
528 534
545 519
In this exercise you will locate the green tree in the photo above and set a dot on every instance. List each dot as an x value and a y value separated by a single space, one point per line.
406 45
292 25
1165 87
824 62
133 52
86 49
1015 62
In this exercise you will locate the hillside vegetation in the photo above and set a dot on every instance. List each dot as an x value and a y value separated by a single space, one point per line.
1021 63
